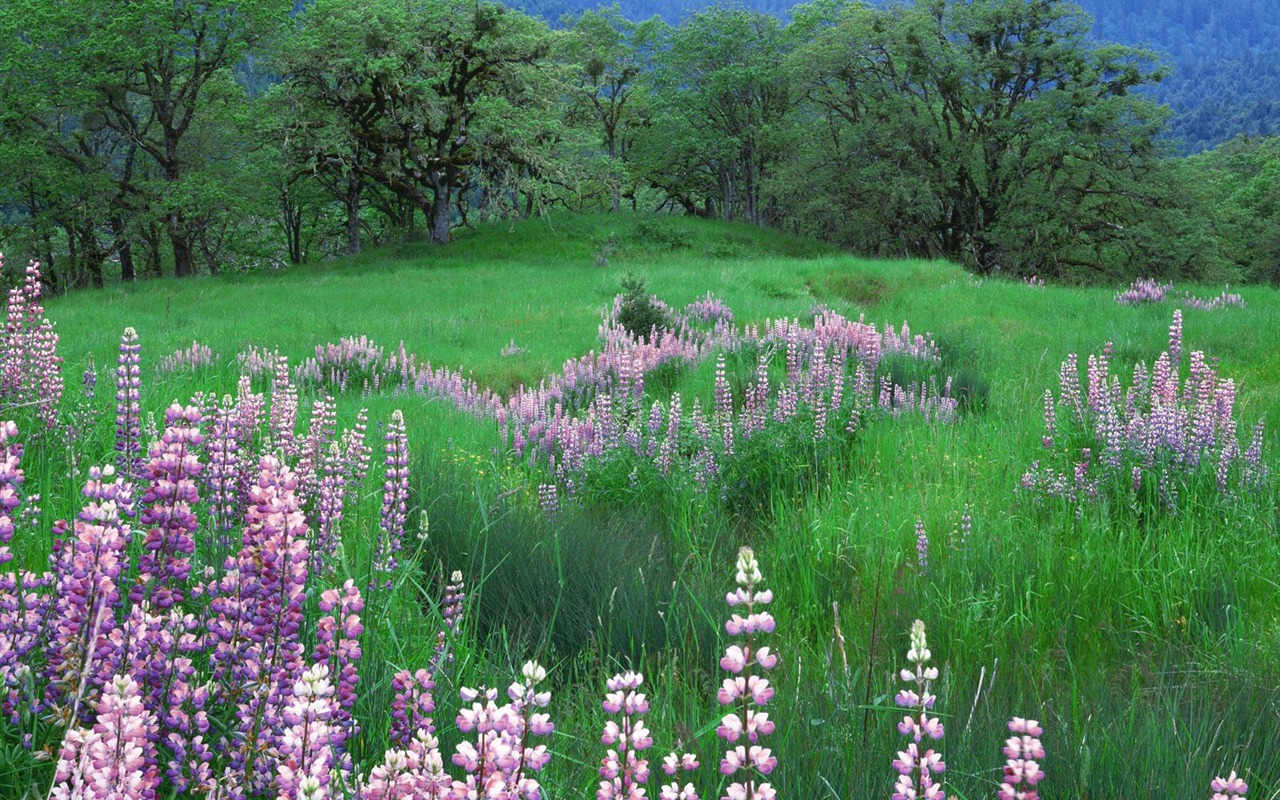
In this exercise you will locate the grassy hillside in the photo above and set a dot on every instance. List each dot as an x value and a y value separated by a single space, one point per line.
1146 642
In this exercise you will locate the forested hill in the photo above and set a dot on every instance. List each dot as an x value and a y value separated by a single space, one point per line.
1224 54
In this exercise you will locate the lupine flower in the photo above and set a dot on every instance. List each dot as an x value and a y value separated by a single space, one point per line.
306 747
497 763
170 497
922 548
623 770
395 495
128 408
451 616
284 409
115 758
11 478
412 705
747 761
673 764
223 476
917 768
332 499
87 567
414 773
338 645
188 359
1022 769
1229 788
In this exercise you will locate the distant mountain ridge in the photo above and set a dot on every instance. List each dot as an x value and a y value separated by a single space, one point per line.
1225 54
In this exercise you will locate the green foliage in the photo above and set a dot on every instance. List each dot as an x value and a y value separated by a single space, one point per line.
1164 671
639 311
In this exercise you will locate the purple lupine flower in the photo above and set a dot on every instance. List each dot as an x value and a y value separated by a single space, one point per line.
548 498
724 408
87 569
128 405
170 497
412 705
670 442
922 548
451 615
395 496
225 495
747 761
338 646
1023 752
1050 421
116 757
256 620
623 770
284 409
358 449
306 747
1175 338
915 768
321 432
1229 788
966 525
332 499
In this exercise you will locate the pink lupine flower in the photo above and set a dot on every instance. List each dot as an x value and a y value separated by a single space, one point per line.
11 478
746 763
1229 788
306 745
115 758
498 762
1022 769
673 764
338 645
413 773
916 769
624 772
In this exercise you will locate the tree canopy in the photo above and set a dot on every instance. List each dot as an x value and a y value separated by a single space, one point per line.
149 137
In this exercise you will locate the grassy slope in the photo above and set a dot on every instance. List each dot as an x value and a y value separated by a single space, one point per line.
1150 650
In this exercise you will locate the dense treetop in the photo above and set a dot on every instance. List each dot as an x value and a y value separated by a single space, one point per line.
1009 135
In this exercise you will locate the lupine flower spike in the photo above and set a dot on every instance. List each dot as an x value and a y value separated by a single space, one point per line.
747 763
916 769
1229 788
623 770
1022 769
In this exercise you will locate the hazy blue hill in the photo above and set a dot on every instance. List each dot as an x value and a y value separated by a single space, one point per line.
1225 54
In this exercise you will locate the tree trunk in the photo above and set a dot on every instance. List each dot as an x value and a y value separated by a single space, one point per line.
352 201
180 237
123 248
441 212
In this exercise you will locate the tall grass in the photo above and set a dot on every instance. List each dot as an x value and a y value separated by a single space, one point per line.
1150 650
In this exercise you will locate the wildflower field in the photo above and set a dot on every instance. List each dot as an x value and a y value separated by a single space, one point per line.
572 510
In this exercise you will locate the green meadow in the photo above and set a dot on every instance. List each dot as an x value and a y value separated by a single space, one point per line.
1147 644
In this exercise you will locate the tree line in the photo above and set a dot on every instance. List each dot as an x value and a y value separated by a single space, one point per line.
151 137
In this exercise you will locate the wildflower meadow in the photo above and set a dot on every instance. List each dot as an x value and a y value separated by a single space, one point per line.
786 525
